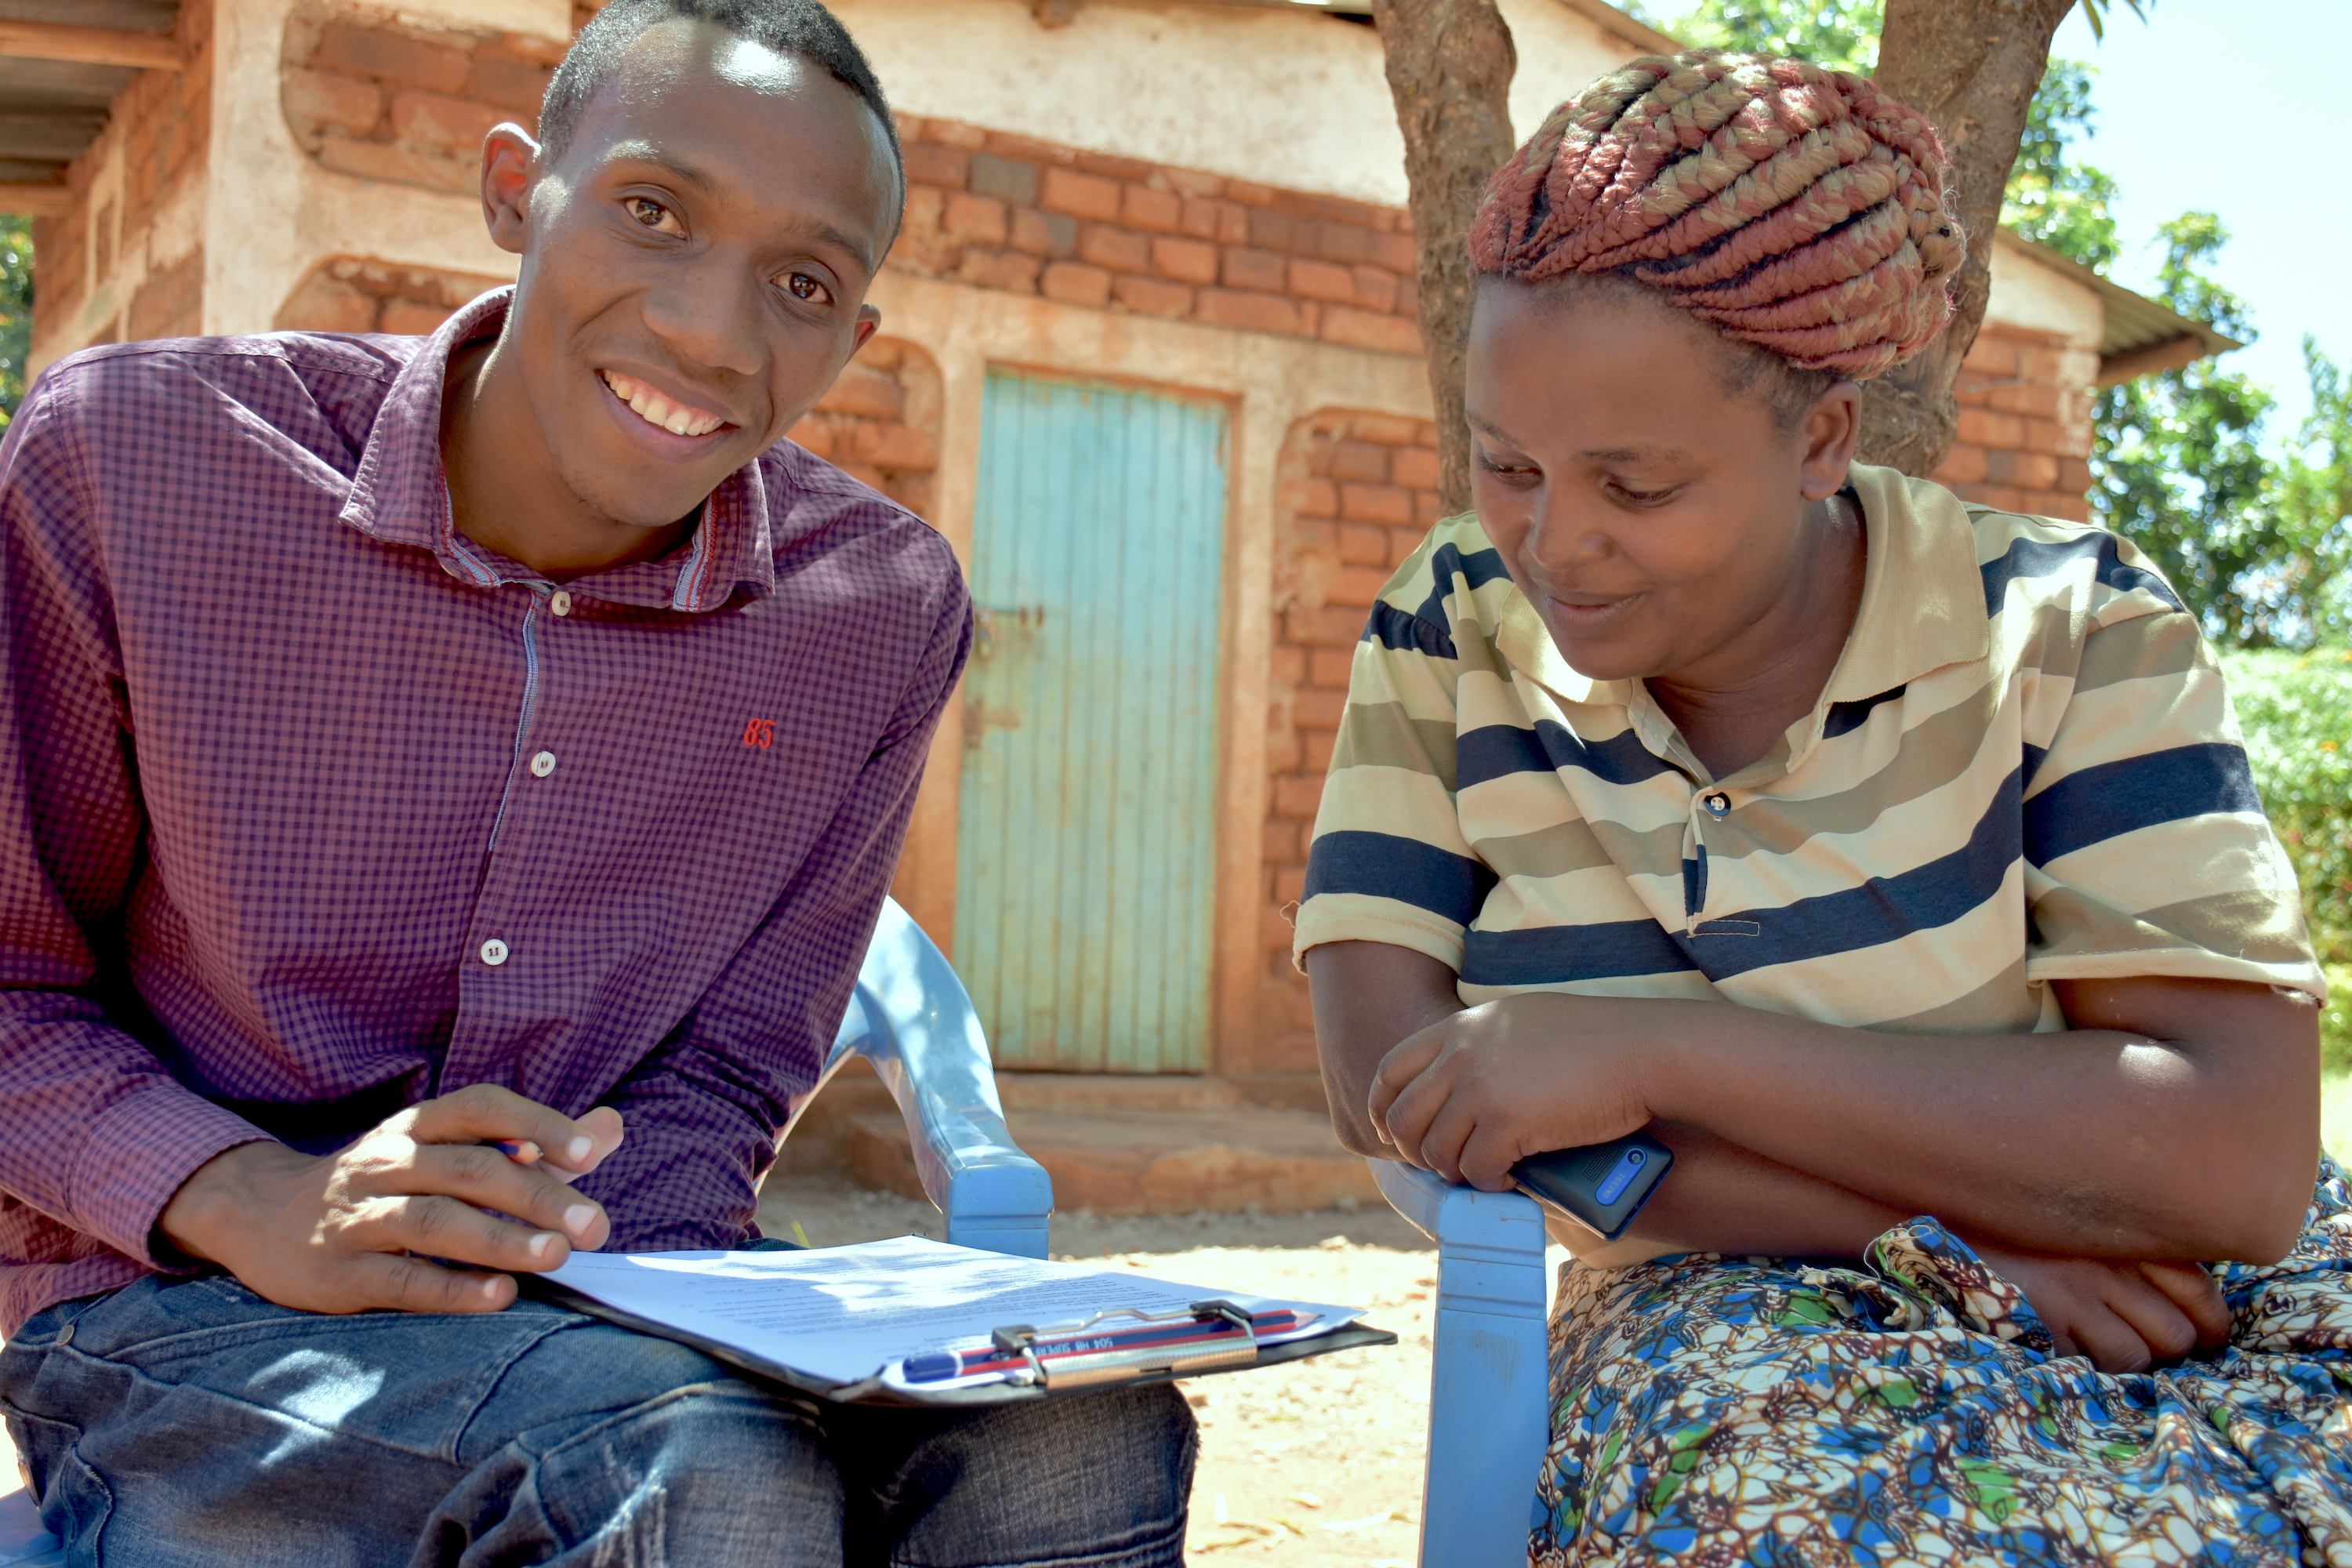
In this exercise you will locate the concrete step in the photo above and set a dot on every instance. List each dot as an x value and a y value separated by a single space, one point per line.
1224 1160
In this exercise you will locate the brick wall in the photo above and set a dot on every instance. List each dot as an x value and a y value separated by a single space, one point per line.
361 294
2025 424
880 422
106 255
1358 491
1085 229
405 101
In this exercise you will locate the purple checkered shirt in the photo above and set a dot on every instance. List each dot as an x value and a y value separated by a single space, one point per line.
312 808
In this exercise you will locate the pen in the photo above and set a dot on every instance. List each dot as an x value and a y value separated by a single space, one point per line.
938 1366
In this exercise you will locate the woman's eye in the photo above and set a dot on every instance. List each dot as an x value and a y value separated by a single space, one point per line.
804 287
1503 469
655 215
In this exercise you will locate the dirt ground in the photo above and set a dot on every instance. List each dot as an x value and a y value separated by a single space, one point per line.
1313 1465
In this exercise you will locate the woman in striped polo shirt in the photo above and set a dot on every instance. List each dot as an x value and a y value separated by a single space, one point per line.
1893 859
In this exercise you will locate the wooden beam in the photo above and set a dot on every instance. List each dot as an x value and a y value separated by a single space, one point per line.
2173 354
39 201
90 46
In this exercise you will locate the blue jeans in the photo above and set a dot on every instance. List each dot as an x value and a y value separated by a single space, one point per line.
188 1422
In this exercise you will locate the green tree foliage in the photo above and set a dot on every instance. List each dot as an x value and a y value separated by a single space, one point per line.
15 310
1839 34
2257 545
2052 198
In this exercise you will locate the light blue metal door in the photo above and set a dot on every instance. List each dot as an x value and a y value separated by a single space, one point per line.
1085 877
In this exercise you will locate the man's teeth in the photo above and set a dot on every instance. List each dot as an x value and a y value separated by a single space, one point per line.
654 409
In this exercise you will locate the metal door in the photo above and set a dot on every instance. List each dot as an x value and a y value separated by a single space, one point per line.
1085 852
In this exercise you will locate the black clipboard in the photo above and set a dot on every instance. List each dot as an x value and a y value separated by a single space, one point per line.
873 1391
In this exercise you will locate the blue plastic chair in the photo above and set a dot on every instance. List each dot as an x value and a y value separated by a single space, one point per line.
911 1017
1488 1388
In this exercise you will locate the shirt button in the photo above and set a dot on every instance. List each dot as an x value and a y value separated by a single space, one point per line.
494 952
1718 804
560 602
543 764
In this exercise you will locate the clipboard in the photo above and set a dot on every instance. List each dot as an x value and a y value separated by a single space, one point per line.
858 1320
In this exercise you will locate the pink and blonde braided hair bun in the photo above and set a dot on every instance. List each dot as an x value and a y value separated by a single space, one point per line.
1798 209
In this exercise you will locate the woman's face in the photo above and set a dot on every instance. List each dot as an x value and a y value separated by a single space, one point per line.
1657 517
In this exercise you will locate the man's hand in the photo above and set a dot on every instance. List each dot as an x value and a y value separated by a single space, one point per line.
334 1233
2125 1316
1473 1094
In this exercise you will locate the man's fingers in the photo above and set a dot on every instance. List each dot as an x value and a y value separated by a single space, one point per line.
603 1126
485 1113
440 1227
486 1179
387 1281
2190 1289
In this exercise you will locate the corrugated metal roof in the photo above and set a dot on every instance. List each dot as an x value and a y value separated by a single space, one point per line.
2141 334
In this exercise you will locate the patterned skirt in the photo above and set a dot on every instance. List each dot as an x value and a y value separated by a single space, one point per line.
1718 1411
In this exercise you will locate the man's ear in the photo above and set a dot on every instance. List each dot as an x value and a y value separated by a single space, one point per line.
869 321
1832 429
510 167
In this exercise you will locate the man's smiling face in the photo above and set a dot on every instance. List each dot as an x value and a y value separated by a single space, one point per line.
694 266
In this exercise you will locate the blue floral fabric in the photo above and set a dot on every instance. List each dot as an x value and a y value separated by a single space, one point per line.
1710 1410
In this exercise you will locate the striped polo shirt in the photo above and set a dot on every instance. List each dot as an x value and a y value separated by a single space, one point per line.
2024 768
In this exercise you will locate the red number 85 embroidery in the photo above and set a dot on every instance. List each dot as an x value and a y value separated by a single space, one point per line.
760 733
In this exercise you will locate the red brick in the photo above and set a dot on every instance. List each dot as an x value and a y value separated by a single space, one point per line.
2074 475
1359 585
1199 218
411 318
812 434
2003 432
1279 231
1044 234
333 100
1344 242
1153 296
1414 468
2037 362
863 391
1375 503
1007 145
1119 249
1321 281
1376 289
1323 627
377 161
515 82
896 446
1362 460
930 164
1074 283
1259 270
2024 470
1319 497
1233 223
324 304
1363 330
1192 183
1008 180
1994 353
955 133
170 303
1290 665
975 220
1329 666
1186 260
2025 397
1319 745
1963 465
1386 429
1158 211
1403 542
2044 435
1248 195
388 56
1395 253
1115 167
1361 545
1298 797
448 125
1006 269
1080 195
1314 707
1290 884
1258 312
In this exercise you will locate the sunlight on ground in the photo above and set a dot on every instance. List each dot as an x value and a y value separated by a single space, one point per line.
2335 1116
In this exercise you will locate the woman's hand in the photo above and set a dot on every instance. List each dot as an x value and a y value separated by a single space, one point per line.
1472 1095
2125 1317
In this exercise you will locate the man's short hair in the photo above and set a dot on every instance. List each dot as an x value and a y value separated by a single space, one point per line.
801 27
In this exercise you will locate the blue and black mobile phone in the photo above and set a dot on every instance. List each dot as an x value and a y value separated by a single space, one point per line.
1602 1186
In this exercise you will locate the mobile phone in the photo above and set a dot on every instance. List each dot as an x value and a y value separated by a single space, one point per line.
1602 1186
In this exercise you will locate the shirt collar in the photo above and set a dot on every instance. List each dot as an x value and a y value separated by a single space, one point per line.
401 496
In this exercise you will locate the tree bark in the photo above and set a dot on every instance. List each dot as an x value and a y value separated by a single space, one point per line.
1450 64
1972 67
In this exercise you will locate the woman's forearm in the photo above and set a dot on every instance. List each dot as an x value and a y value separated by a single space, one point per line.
1720 1198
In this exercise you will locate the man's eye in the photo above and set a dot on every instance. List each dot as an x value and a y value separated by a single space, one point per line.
655 215
804 287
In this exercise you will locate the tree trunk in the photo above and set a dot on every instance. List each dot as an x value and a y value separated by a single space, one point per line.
1449 67
1972 67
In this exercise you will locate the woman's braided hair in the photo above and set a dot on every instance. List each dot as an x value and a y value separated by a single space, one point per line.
1797 209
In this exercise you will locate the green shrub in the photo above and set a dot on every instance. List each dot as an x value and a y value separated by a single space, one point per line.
2297 709
2336 1025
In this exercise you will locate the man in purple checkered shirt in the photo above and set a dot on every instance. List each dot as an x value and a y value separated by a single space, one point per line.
504 736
